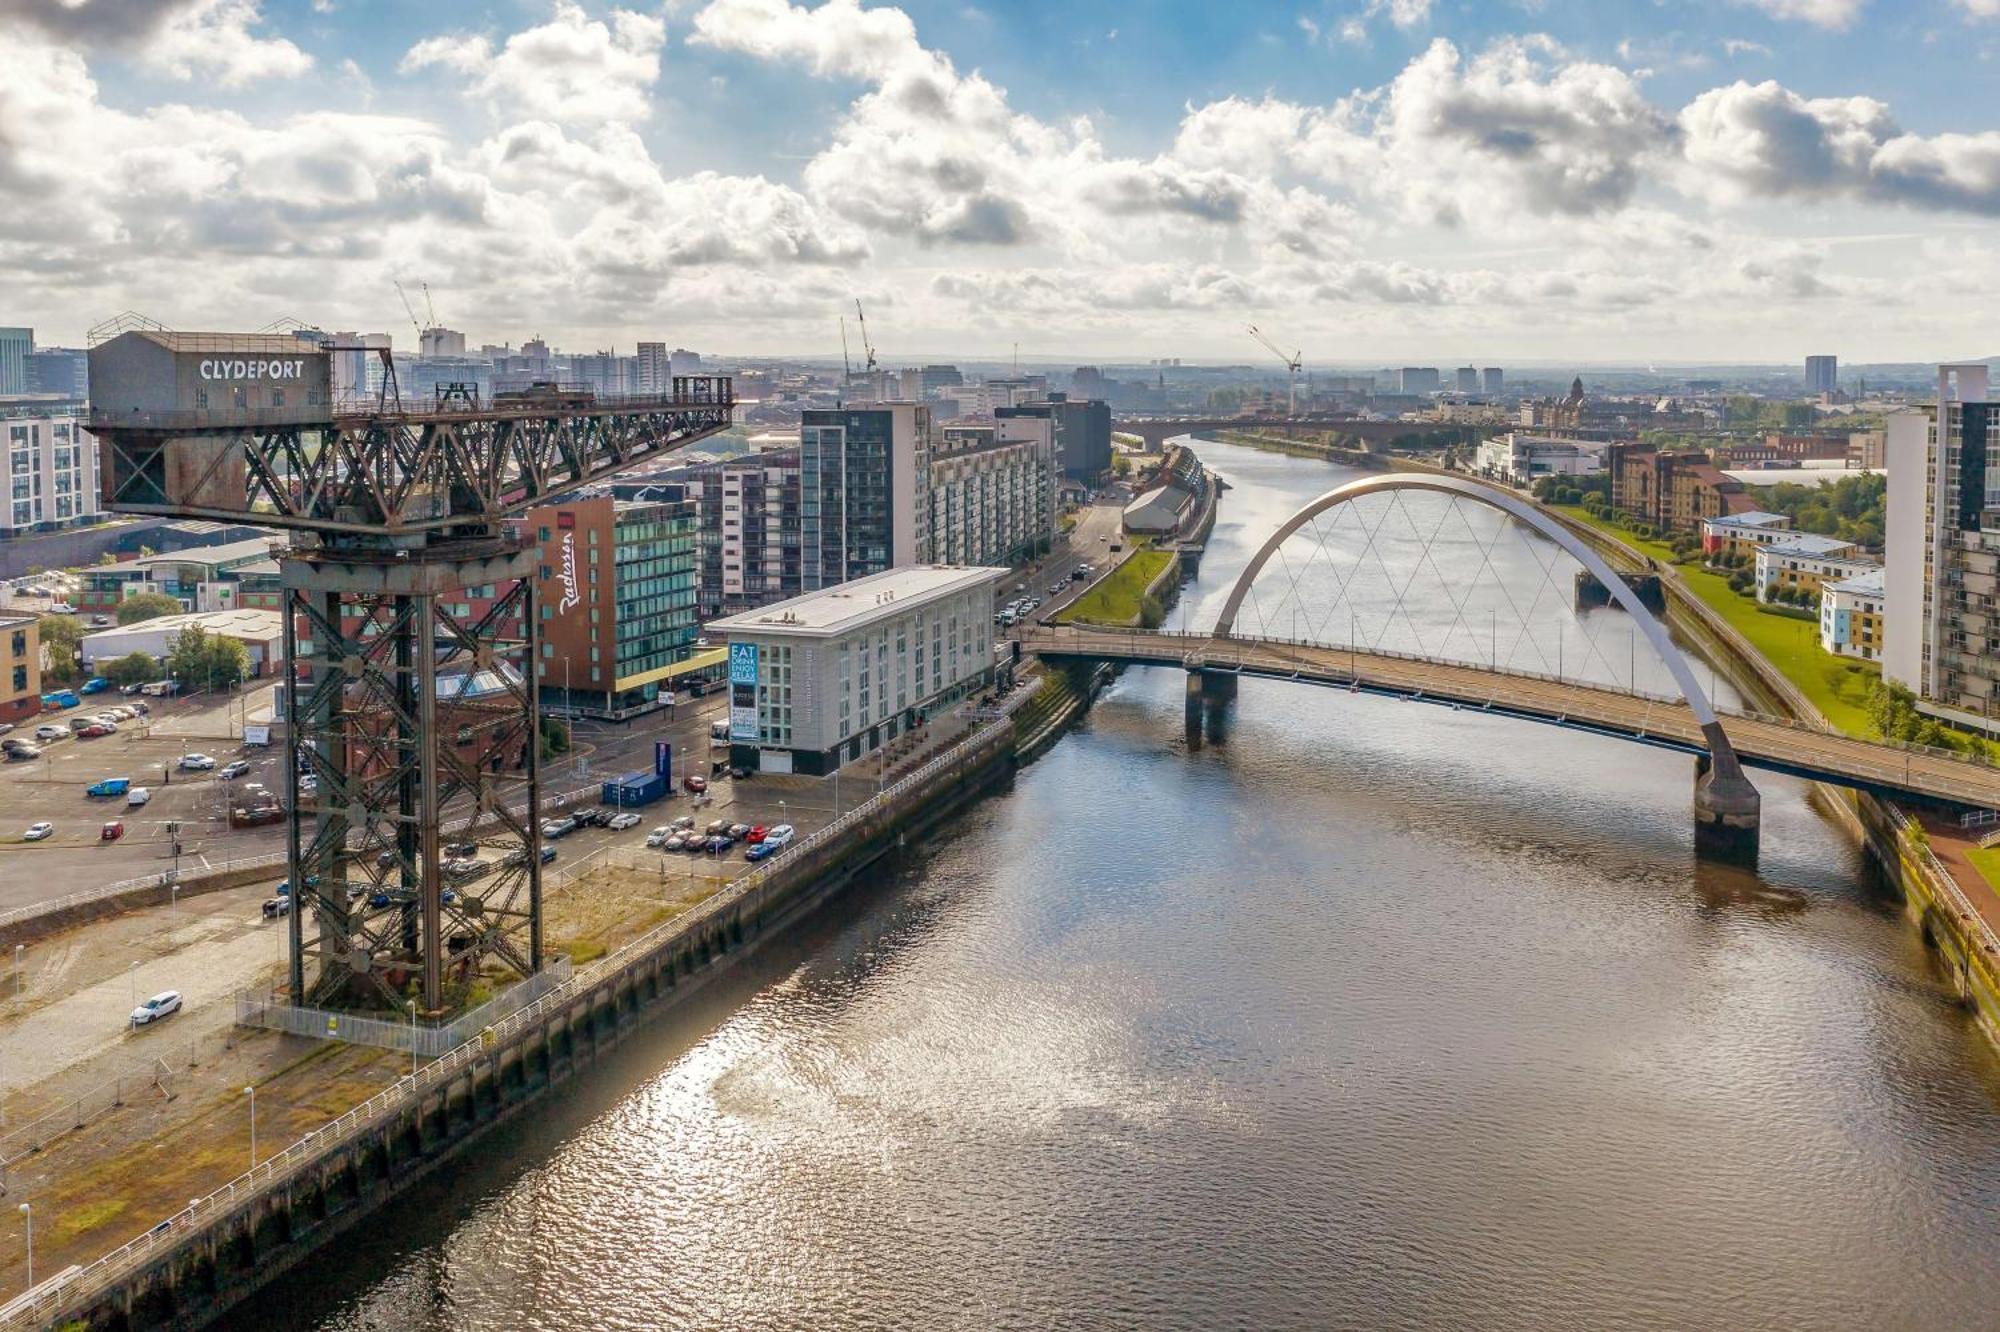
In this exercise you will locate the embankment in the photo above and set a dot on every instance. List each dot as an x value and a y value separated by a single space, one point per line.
192 1267
1931 896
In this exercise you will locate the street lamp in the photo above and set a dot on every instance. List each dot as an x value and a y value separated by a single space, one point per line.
251 1092
132 977
29 1212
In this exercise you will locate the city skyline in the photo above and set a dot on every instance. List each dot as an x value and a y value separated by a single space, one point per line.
1701 182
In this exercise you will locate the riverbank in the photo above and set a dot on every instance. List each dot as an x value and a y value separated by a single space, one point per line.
188 1269
1959 920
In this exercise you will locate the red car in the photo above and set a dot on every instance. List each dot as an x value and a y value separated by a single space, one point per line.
694 783
92 731
756 834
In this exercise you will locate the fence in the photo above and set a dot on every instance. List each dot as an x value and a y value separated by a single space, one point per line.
43 1302
73 1112
257 1010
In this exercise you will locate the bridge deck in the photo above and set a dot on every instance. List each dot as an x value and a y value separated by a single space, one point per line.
1760 741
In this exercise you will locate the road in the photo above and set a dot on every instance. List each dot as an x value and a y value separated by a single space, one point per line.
1759 742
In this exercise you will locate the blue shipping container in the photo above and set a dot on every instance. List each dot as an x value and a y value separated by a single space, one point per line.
634 788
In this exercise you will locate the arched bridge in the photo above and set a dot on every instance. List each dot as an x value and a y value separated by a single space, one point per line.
1156 430
1726 804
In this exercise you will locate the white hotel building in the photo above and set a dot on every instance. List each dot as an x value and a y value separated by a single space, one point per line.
51 466
822 679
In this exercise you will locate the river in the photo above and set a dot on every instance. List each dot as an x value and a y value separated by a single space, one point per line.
1371 1015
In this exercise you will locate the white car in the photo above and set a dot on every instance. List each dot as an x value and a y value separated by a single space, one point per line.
231 771
62 608
659 836
39 832
620 822
781 835
197 762
160 1005
138 795
53 731
308 783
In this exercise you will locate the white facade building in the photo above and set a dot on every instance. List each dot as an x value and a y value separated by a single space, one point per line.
261 632
653 369
1523 459
824 678
1851 616
1806 559
51 467
1943 566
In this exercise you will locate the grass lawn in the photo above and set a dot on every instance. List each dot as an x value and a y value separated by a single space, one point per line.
1987 862
1837 686
1116 599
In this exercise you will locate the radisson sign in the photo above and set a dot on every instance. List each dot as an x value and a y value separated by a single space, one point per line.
261 369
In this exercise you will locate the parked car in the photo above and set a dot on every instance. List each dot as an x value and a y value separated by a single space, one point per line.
694 783
137 796
548 853
6 727
716 826
22 753
229 772
164 1004
553 828
39 832
683 823
96 684
139 709
111 831
659 837
196 762
308 784
275 907
620 822
464 869
590 816
100 621
739 831
92 730
110 786
461 849
719 843
122 714
756 833
62 608
780 836
51 731
761 851
131 689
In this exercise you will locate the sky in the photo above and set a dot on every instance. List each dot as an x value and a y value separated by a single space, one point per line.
1369 181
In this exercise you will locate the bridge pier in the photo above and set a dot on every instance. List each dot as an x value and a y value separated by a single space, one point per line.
1209 694
1728 812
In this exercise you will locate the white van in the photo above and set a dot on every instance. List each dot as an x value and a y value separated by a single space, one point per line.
718 735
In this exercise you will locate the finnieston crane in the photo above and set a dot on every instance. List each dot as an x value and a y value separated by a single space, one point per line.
1293 364
867 347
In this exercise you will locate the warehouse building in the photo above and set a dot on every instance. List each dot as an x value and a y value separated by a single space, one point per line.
824 678
260 631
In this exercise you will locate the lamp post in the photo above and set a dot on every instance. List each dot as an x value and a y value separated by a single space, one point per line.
251 1092
132 982
29 1212
18 950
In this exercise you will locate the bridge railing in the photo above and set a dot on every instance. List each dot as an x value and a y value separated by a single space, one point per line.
1211 660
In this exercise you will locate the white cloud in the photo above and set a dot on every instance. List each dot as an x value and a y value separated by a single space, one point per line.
1765 141
1830 14
573 69
1984 9
838 38
213 39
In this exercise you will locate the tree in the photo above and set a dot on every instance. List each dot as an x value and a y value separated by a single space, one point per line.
201 660
61 636
147 606
132 668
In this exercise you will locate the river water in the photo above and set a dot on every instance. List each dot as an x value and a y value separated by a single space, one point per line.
1371 1015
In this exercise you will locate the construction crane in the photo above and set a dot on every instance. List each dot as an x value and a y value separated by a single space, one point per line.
866 346
430 309
1293 363
410 310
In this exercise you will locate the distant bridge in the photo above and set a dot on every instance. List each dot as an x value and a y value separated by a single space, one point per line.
1727 807
1156 430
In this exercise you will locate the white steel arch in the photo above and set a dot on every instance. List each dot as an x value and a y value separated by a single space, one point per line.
1506 501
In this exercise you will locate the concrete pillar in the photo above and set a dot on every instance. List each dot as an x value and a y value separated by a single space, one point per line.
1727 814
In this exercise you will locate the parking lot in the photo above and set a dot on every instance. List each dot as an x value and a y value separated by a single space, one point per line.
51 789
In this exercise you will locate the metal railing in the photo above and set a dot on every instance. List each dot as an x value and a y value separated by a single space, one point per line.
1963 908
428 1040
45 1301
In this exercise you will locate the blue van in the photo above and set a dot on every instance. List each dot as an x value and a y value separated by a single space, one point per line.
110 786
62 698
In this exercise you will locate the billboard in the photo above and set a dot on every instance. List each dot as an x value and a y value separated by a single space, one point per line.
743 692
663 759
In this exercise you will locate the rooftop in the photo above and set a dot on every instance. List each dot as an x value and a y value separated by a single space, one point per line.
258 549
850 605
1753 518
280 343
1810 543
243 622
1870 584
